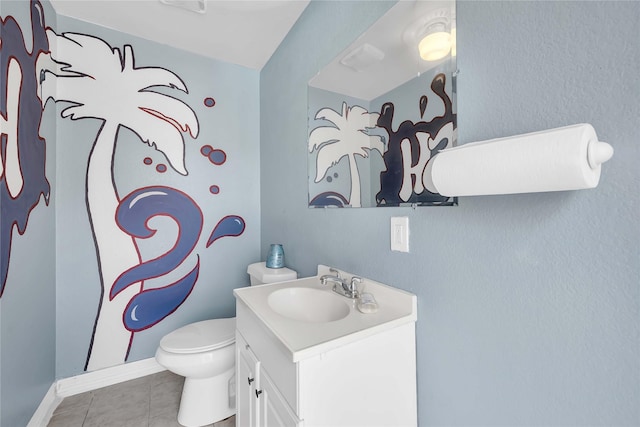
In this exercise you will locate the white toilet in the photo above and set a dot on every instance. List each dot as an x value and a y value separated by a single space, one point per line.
204 353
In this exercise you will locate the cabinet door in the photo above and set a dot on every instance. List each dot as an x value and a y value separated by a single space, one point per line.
248 370
273 408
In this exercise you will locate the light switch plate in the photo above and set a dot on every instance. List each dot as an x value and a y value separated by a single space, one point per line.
400 233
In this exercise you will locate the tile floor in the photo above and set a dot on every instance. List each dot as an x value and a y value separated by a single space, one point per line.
150 401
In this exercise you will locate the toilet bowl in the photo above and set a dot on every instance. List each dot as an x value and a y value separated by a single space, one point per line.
204 353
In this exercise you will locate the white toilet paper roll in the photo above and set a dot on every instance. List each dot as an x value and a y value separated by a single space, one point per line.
553 160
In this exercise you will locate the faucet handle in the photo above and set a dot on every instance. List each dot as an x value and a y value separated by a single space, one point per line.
336 272
355 281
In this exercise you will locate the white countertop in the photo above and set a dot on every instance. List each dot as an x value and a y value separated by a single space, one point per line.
304 339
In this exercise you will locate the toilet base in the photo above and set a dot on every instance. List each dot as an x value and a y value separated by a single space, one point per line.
205 400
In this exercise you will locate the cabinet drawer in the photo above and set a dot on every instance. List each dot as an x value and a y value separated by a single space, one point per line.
274 358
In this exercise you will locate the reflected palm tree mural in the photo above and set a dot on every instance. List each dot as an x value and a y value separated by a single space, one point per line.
347 137
406 144
103 83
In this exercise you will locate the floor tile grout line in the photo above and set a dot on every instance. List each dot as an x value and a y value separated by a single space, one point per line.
150 387
86 412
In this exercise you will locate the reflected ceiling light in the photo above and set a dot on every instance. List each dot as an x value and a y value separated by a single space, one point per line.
431 34
454 51
436 44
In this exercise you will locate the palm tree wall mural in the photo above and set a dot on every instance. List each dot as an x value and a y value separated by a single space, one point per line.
102 83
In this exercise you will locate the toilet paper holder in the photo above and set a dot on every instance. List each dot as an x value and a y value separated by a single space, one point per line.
560 159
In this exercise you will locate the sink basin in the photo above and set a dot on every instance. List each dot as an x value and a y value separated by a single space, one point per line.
308 305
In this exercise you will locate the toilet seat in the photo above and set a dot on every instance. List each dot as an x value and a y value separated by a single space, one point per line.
201 336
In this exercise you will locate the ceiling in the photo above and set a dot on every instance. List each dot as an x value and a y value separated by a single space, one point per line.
242 32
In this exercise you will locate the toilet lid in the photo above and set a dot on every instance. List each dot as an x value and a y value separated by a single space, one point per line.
200 336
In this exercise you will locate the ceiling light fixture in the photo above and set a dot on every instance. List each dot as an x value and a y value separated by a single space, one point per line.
199 6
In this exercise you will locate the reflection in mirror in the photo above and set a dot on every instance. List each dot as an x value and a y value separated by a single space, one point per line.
383 108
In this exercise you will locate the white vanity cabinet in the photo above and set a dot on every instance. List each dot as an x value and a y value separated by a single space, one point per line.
369 380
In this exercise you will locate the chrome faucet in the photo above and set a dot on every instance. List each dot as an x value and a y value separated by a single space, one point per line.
335 279
340 285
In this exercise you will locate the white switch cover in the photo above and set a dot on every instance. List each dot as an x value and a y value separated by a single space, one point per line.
400 233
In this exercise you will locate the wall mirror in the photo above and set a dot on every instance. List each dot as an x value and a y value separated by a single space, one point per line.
383 108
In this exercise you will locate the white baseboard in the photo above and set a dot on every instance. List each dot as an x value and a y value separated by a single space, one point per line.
108 376
90 381
43 414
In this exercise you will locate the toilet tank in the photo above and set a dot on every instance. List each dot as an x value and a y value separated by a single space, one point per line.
261 274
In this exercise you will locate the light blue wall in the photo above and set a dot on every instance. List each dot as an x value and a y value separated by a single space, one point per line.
528 304
27 307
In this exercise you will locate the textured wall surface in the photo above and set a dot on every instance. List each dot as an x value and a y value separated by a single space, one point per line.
528 304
